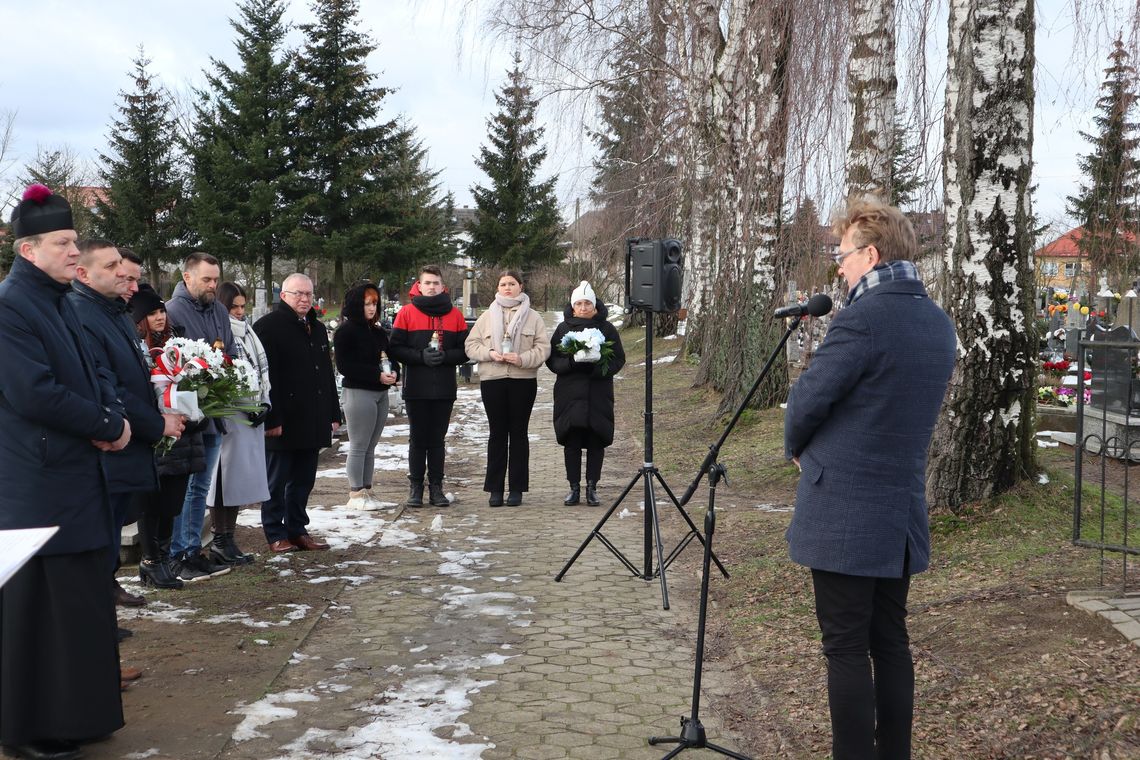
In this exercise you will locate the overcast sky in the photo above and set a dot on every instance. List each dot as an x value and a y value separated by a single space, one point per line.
64 62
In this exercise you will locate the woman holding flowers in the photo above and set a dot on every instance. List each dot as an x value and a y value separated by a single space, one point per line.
509 342
240 477
187 455
587 354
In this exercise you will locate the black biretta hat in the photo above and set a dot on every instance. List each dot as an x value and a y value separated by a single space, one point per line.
144 302
39 211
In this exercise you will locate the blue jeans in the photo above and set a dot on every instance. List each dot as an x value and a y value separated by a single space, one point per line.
188 525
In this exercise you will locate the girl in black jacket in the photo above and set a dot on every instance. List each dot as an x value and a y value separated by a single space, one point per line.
360 345
584 395
158 509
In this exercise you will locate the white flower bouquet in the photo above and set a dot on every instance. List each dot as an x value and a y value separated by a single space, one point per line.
194 379
588 345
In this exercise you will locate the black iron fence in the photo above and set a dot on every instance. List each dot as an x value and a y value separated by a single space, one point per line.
1108 449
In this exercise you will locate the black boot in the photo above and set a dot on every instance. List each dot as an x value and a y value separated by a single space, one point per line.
415 493
223 549
592 493
156 572
514 498
495 499
575 495
231 528
436 496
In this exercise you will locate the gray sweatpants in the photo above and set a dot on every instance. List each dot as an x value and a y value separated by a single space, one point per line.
365 412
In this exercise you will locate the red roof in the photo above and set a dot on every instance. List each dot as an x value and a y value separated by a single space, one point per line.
1065 247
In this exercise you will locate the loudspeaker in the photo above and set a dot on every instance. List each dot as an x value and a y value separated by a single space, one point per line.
654 274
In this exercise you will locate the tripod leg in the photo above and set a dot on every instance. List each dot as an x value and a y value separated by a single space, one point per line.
597 532
651 516
726 752
692 525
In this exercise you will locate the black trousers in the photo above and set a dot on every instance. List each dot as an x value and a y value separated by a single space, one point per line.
576 440
291 474
508 403
59 661
428 420
157 510
870 673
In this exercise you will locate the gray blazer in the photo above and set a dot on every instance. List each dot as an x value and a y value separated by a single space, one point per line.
860 420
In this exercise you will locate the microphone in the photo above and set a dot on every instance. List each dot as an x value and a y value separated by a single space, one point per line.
816 306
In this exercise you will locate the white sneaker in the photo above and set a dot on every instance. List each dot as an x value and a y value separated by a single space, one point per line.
358 499
372 503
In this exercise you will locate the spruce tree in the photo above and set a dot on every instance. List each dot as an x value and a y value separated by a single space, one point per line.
420 227
143 209
242 150
1106 203
344 145
61 169
517 223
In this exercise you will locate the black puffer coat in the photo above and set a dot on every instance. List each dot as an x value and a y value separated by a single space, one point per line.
188 454
583 396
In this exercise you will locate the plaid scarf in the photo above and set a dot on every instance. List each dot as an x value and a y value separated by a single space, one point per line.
899 269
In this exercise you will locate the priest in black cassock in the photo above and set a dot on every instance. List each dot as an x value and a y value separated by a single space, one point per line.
59 663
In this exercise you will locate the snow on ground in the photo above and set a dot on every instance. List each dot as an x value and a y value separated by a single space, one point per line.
418 717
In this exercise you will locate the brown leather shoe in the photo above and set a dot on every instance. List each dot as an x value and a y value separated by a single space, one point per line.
308 543
282 546
124 598
127 673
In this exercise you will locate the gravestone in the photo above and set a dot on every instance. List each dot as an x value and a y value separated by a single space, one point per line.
1112 382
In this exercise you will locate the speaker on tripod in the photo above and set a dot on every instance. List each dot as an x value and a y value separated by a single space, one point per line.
655 274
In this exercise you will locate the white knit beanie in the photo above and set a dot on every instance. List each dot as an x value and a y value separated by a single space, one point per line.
583 293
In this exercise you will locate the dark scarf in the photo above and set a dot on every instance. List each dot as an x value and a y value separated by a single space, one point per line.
434 306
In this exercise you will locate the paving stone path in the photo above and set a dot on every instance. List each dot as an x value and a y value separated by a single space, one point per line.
452 639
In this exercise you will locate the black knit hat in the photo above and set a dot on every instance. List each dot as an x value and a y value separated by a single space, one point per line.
39 211
144 302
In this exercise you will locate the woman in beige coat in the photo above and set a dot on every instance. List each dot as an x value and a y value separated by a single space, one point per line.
510 343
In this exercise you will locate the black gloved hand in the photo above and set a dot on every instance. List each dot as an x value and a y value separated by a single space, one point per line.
220 425
432 358
257 418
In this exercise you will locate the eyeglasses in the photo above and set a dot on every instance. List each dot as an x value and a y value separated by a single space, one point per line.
841 255
304 295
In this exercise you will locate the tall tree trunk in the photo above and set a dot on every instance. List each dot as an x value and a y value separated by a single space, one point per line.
750 280
983 442
267 275
871 85
703 148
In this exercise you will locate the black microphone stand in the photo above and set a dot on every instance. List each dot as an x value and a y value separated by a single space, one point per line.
714 450
692 730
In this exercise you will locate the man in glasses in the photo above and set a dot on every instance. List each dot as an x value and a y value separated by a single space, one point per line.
304 413
858 424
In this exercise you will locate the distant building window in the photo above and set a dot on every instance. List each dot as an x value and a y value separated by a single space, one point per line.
1070 269
1049 268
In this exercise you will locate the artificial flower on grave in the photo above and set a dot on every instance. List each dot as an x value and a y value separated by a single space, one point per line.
588 345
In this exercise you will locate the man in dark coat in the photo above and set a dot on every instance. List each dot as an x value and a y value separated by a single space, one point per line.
584 394
194 308
304 413
428 338
97 296
858 424
59 665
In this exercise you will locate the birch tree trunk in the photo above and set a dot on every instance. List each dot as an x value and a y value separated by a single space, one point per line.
871 85
983 442
751 111
702 157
